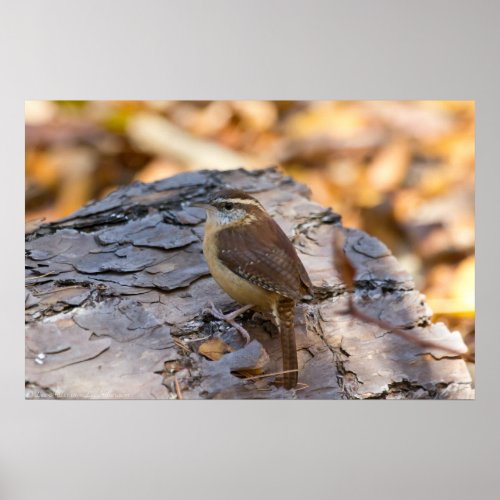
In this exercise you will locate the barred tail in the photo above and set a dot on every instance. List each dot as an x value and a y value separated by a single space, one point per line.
285 310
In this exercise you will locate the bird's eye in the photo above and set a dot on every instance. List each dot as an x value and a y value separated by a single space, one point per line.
228 205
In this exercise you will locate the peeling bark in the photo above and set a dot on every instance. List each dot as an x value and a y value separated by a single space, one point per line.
116 298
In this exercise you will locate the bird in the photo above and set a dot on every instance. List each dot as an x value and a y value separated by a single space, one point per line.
253 261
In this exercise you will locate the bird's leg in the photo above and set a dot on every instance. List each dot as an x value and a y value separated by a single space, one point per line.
230 318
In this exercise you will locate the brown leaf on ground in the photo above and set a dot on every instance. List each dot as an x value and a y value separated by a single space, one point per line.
214 349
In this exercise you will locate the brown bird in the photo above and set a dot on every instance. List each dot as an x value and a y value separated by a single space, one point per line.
254 262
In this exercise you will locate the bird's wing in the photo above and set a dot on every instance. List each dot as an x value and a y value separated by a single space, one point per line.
262 254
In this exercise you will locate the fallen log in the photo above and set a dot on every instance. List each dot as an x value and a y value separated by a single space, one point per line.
117 296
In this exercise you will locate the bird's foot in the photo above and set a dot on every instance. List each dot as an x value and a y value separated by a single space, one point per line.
230 318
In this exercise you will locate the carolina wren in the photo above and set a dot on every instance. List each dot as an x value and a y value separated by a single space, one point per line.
254 262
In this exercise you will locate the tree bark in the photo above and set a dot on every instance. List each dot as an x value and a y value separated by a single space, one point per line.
116 298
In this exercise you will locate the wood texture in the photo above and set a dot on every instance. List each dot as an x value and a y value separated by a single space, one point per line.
116 296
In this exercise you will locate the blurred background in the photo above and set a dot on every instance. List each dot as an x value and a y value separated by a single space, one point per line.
401 170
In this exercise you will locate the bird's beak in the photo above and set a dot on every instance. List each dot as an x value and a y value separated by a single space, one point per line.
201 205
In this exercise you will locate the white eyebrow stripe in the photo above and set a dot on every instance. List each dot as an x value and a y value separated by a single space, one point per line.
243 201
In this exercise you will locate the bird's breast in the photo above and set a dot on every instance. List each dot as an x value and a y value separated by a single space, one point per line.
235 286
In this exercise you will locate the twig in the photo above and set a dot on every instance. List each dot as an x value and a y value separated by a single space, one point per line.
347 273
305 386
354 311
196 340
178 388
181 345
59 289
40 276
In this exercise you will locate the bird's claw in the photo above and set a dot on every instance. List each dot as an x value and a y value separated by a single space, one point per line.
230 319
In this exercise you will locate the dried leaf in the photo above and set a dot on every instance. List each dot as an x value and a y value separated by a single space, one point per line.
388 169
214 349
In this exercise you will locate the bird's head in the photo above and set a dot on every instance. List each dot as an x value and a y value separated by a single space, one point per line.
231 207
